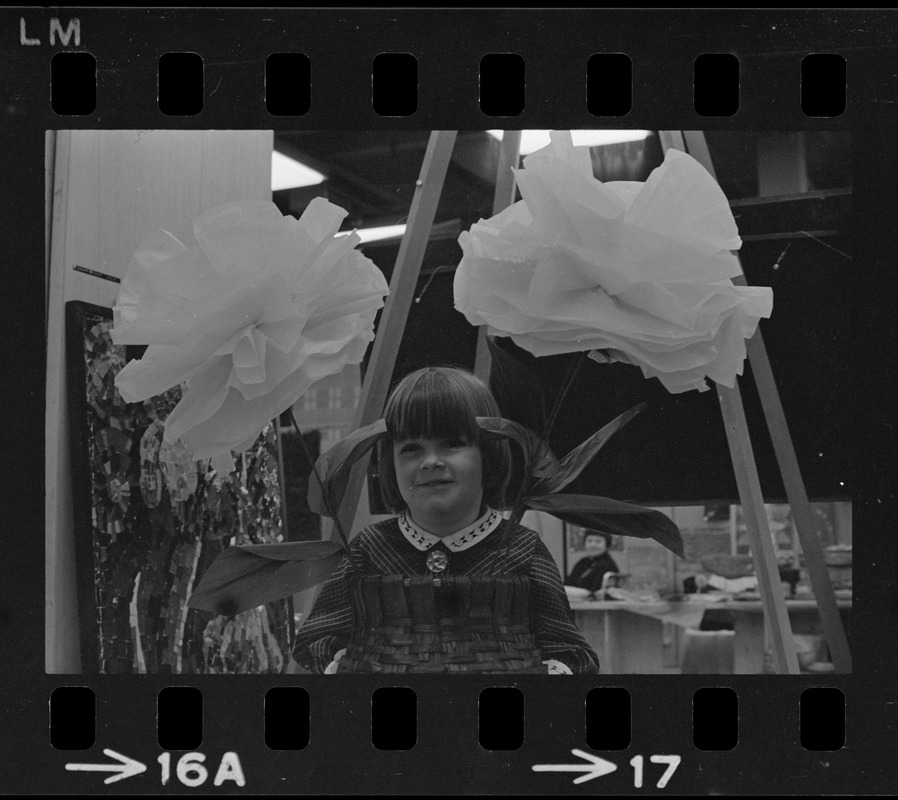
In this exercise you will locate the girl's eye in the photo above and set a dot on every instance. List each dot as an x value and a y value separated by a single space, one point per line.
455 443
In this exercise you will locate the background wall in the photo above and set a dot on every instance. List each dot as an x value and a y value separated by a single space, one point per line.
111 189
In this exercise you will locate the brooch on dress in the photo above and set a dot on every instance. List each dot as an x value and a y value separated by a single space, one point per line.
437 560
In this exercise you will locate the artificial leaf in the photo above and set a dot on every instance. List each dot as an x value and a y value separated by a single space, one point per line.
611 516
579 458
517 390
539 460
246 576
335 465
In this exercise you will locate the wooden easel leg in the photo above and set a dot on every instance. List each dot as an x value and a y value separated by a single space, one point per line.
761 542
503 197
797 496
695 144
747 479
403 281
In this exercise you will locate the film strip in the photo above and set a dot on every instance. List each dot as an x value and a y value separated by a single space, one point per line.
140 73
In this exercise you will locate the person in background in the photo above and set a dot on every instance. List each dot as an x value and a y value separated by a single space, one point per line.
589 571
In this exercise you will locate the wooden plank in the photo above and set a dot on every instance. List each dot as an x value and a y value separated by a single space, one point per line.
775 237
503 197
812 196
764 557
749 484
62 650
395 313
482 360
671 139
784 450
802 514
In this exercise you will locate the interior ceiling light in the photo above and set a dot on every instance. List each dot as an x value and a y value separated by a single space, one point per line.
287 173
533 140
376 234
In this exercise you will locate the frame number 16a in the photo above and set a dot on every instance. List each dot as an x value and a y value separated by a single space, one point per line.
191 771
637 763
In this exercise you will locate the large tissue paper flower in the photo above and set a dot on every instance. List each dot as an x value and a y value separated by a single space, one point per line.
633 272
258 310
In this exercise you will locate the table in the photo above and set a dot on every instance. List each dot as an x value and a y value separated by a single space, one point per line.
633 637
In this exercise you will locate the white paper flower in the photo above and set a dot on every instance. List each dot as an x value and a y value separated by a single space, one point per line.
258 310
640 271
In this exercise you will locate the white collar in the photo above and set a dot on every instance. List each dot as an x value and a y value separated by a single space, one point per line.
456 542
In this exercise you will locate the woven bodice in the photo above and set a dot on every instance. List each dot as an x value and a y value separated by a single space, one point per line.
458 624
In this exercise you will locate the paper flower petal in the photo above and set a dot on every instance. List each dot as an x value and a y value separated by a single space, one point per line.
640 272
261 307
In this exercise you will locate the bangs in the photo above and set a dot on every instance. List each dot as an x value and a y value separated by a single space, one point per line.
433 404
442 402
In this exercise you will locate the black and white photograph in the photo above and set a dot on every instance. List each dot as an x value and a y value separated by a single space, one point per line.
449 401
520 331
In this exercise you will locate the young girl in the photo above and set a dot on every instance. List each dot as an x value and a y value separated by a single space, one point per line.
448 585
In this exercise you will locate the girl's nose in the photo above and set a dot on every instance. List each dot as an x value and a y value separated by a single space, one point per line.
431 458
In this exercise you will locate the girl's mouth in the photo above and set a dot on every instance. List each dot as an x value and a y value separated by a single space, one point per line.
434 483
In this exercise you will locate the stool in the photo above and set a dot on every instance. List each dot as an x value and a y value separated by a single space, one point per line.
707 653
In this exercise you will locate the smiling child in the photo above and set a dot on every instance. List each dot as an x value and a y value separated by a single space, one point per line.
448 585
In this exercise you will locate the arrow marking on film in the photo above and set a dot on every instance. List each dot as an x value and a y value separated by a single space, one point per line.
595 769
125 768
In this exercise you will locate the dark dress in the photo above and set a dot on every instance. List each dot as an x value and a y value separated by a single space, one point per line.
589 571
516 558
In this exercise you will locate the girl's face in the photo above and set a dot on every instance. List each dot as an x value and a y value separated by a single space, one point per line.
441 481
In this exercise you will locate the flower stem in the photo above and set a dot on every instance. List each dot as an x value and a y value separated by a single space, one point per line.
559 398
327 501
517 510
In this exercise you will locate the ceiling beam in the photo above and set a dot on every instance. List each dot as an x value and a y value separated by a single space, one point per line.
383 196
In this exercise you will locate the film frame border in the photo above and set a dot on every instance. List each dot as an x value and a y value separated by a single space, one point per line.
769 45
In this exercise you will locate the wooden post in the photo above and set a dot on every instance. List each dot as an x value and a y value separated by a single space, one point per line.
395 313
831 619
749 485
766 568
503 197
802 513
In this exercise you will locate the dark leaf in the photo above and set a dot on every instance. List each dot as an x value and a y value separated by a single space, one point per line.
335 465
539 460
517 390
611 516
579 458
246 576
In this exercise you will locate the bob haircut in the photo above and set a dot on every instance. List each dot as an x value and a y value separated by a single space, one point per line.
442 402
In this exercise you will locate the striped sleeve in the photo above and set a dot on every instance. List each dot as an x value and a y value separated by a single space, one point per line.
328 627
556 634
